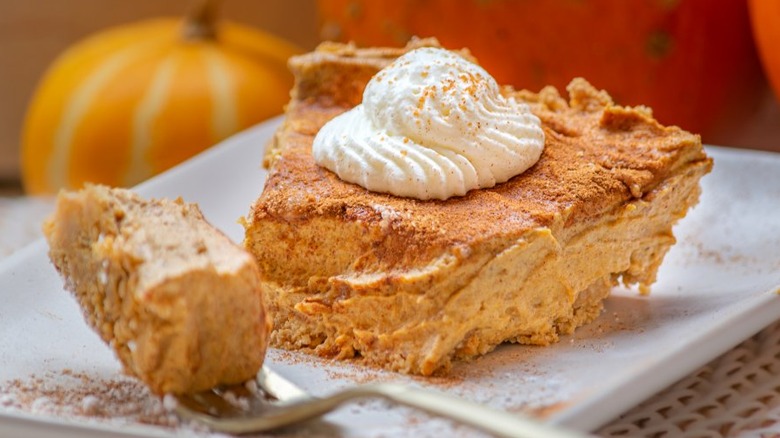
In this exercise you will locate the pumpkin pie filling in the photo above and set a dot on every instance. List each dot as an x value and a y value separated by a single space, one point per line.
411 285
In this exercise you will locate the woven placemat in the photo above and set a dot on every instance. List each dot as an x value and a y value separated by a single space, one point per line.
737 394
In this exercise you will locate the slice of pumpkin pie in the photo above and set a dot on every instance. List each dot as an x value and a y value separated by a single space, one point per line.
416 213
178 301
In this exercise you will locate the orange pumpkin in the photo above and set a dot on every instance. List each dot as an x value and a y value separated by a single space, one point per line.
135 100
765 17
692 61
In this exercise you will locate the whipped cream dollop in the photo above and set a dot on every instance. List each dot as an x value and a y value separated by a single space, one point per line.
432 125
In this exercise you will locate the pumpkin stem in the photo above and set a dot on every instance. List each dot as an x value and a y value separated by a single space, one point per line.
201 21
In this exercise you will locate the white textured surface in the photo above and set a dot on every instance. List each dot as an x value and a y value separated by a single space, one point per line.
711 294
20 221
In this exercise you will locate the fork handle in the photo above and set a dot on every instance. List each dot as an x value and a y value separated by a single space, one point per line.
496 422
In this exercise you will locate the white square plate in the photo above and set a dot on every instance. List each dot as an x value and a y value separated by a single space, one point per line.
718 286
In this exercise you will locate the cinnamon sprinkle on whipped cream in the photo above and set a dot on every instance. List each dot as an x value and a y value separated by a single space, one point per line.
432 125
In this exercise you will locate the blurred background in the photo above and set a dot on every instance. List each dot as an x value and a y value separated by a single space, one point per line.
687 50
34 32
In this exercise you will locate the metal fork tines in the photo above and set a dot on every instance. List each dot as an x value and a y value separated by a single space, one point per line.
279 403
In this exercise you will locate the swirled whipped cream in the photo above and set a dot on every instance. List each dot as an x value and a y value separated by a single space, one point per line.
432 125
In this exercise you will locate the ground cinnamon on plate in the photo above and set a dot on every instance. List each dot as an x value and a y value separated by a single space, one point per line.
73 395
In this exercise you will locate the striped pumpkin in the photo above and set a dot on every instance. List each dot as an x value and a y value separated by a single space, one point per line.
135 100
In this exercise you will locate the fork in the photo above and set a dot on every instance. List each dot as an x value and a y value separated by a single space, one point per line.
281 403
